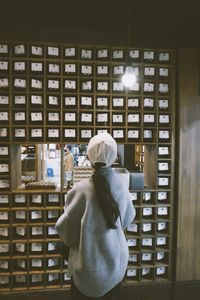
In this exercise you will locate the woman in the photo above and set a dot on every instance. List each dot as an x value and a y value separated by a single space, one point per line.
96 213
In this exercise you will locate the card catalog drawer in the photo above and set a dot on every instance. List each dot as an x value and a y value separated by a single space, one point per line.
149 71
163 151
149 87
86 118
53 117
134 54
149 118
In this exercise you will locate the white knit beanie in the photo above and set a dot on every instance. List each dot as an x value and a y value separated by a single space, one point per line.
102 148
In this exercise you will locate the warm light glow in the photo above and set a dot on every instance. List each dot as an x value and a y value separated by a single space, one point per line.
129 77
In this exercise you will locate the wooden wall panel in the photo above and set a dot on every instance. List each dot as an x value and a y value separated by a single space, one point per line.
188 241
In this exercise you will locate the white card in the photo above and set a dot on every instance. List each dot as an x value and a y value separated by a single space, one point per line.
147 242
146 256
86 117
4 83
134 134
4 116
131 273
19 49
20 215
70 68
70 52
102 85
3 215
35 50
133 102
146 196
36 116
161 226
4 183
53 214
70 101
36 278
52 230
149 55
163 87
164 72
150 118
163 150
118 133
163 211
3 49
147 211
160 270
118 86
133 227
52 277
36 84
19 66
134 54
37 230
163 104
86 133
53 133
117 118
36 132
36 247
102 70
102 53
117 54
36 215
4 248
4 151
52 262
118 102
148 87
164 56
132 258
20 83
101 117
53 100
86 70
3 65
21 231
86 54
162 195
70 117
132 242
70 84
4 100
133 118
161 241
86 101
3 230
20 116
36 262
54 68
146 227
53 116
163 166
53 51
4 199
118 70
53 84
20 198
163 134
160 255
99 131
102 101
164 119
53 198
163 181
51 246
148 102
145 271
135 87
149 71
37 199
20 100
20 247
36 67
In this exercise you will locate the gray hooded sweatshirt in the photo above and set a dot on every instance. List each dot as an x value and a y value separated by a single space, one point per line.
98 256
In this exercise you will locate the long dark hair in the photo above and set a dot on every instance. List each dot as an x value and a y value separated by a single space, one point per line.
105 198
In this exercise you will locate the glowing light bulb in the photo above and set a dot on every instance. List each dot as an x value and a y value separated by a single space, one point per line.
129 77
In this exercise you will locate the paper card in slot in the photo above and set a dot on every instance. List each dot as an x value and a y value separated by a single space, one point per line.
37 214
164 119
163 211
148 102
51 246
145 271
135 118
36 262
86 54
53 116
20 100
133 134
163 181
53 198
118 133
37 230
4 83
132 258
20 199
4 183
4 116
53 133
36 247
52 262
36 99
70 84
86 117
132 242
21 231
163 104
3 264
131 273
53 84
37 67
163 88
102 101
160 270
36 132
20 116
36 84
149 71
102 70
163 150
4 199
102 117
147 211
20 247
147 242
36 278
36 116
86 133
118 54
3 132
102 86
149 55
70 52
135 54
86 101
54 68
118 70
163 134
20 278
67 277
37 199
133 102
70 101
71 117
102 53
146 196
133 227
163 72
19 49
20 83
52 230
3 65
162 195
21 263
4 279
70 68
4 151
4 248
146 256
160 255
4 100
118 86
134 196
146 227
161 241
118 102
135 87
117 118
164 56
53 276
19 66
99 131
20 215
3 216
3 230
86 70
163 166
3 49
53 100
161 226
53 214
53 51
35 50
148 87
